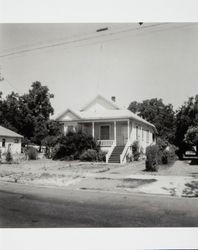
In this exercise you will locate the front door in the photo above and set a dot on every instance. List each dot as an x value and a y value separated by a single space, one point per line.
121 134
105 132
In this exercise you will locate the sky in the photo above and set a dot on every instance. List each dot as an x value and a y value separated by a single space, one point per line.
129 61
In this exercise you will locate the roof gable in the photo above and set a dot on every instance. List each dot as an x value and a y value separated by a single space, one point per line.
68 115
99 103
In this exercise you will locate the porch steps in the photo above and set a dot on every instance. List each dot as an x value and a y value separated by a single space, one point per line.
115 155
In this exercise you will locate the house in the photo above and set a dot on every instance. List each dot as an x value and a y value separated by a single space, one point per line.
114 128
10 140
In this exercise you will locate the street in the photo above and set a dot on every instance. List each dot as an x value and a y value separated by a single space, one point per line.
28 206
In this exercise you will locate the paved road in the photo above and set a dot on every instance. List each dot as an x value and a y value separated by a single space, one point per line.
26 206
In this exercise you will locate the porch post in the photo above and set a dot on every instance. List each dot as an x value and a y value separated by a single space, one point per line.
115 131
128 129
93 129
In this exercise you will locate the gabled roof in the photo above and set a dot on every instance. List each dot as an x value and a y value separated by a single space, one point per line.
8 133
112 112
111 104
75 114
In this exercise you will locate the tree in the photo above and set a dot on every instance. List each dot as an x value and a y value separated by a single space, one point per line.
28 114
191 137
161 115
186 117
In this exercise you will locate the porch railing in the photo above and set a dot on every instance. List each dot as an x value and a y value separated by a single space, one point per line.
105 143
124 153
110 151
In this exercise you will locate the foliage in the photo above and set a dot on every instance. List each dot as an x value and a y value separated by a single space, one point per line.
73 145
153 158
89 155
162 144
32 153
186 117
101 155
9 157
28 114
160 153
159 114
136 150
191 136
93 155
168 155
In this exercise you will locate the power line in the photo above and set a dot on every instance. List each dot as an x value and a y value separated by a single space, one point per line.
77 40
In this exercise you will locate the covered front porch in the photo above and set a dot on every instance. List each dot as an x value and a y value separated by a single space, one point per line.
108 133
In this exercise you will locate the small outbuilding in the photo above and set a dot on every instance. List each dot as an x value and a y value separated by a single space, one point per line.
10 140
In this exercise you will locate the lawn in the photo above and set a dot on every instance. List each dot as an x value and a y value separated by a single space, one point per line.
178 179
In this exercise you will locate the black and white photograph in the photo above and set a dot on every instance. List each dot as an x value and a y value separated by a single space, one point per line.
99 125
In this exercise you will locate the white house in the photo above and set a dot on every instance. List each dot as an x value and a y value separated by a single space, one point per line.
10 140
114 128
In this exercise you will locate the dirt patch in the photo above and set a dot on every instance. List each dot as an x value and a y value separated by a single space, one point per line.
134 183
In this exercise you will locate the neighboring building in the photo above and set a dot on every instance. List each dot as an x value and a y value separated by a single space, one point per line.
10 140
113 127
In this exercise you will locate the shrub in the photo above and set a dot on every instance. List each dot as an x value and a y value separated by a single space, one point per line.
32 153
89 155
136 150
162 144
73 145
129 157
9 157
101 156
152 158
168 155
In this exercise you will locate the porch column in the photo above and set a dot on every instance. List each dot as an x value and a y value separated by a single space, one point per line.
93 129
115 131
128 129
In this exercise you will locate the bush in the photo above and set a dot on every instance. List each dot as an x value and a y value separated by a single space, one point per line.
93 155
152 158
73 145
101 156
161 153
9 157
136 150
32 153
168 155
89 155
162 144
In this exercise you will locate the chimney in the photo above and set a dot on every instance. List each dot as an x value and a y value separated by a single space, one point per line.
113 98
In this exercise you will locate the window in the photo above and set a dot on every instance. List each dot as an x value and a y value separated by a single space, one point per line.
3 143
16 141
147 136
105 132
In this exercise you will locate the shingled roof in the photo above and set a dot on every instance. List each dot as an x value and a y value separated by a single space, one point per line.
8 133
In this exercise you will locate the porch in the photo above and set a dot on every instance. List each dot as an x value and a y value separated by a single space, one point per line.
108 133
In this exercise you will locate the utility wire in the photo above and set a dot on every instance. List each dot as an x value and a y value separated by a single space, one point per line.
77 40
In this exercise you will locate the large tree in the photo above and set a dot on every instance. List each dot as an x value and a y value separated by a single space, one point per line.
29 113
156 112
186 117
